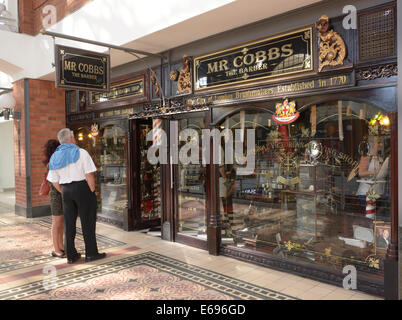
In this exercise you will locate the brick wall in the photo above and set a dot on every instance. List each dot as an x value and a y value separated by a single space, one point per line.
19 146
46 118
31 12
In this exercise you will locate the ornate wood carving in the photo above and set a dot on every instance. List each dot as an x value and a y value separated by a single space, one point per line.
184 81
153 110
376 72
174 75
155 83
332 46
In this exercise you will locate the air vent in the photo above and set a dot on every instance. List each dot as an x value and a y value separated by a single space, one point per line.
377 34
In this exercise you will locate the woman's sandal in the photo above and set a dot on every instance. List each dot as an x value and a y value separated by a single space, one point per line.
55 255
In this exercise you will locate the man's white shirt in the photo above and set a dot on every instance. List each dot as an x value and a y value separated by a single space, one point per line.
74 171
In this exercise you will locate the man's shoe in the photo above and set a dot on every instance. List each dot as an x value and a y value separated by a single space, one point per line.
74 259
95 257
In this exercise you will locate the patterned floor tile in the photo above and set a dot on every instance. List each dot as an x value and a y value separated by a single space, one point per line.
28 244
146 276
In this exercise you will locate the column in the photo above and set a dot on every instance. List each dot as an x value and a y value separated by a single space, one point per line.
42 109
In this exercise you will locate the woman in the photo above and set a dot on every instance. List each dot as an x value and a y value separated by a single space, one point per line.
55 206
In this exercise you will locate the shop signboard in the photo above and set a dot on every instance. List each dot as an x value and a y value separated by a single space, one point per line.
286 54
81 69
125 90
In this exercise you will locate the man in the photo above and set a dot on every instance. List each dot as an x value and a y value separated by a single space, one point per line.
71 171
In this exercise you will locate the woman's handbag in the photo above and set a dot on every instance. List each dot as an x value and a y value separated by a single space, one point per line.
44 187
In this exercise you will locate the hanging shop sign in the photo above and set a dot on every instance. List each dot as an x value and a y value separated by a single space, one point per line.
281 55
81 69
119 91
286 112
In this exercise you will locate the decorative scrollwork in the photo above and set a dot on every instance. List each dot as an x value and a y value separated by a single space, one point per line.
377 72
155 83
332 46
184 81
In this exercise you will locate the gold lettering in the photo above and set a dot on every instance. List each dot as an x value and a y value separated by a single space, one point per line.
273 54
70 66
223 64
236 64
260 57
287 50
212 68
248 59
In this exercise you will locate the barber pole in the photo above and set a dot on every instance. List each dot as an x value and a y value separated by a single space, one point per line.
157 131
371 206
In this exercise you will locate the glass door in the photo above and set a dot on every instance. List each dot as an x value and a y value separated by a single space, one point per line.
191 181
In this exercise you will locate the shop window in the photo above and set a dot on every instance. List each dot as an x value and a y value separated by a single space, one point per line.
82 100
108 150
76 101
150 177
320 191
71 101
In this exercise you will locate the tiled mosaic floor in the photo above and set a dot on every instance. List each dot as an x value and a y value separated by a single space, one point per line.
140 266
26 244
147 276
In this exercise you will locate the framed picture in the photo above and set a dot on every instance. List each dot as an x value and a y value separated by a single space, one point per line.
382 234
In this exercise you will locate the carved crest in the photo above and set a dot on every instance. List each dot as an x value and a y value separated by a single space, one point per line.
184 81
286 112
332 46
94 130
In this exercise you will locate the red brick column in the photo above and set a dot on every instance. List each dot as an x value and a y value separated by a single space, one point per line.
30 12
42 108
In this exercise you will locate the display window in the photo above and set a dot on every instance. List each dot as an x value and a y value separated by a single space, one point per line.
108 151
320 190
150 179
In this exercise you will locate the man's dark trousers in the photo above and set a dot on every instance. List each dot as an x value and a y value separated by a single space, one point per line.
79 200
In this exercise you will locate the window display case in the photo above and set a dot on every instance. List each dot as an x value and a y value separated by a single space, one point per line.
107 148
304 199
113 171
150 179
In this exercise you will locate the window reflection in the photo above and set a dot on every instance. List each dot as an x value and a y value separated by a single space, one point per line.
192 187
108 151
320 192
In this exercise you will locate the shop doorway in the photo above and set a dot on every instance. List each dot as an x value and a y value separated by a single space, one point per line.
191 188
146 181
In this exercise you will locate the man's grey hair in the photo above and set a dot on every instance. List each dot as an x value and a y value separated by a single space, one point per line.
65 135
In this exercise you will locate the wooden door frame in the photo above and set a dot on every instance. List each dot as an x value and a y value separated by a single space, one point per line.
173 178
135 179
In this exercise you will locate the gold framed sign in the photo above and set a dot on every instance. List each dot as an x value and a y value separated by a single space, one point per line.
119 91
81 69
281 55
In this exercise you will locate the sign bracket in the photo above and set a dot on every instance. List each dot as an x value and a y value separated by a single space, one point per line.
133 52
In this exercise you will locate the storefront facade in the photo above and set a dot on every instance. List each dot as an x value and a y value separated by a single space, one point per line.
322 103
